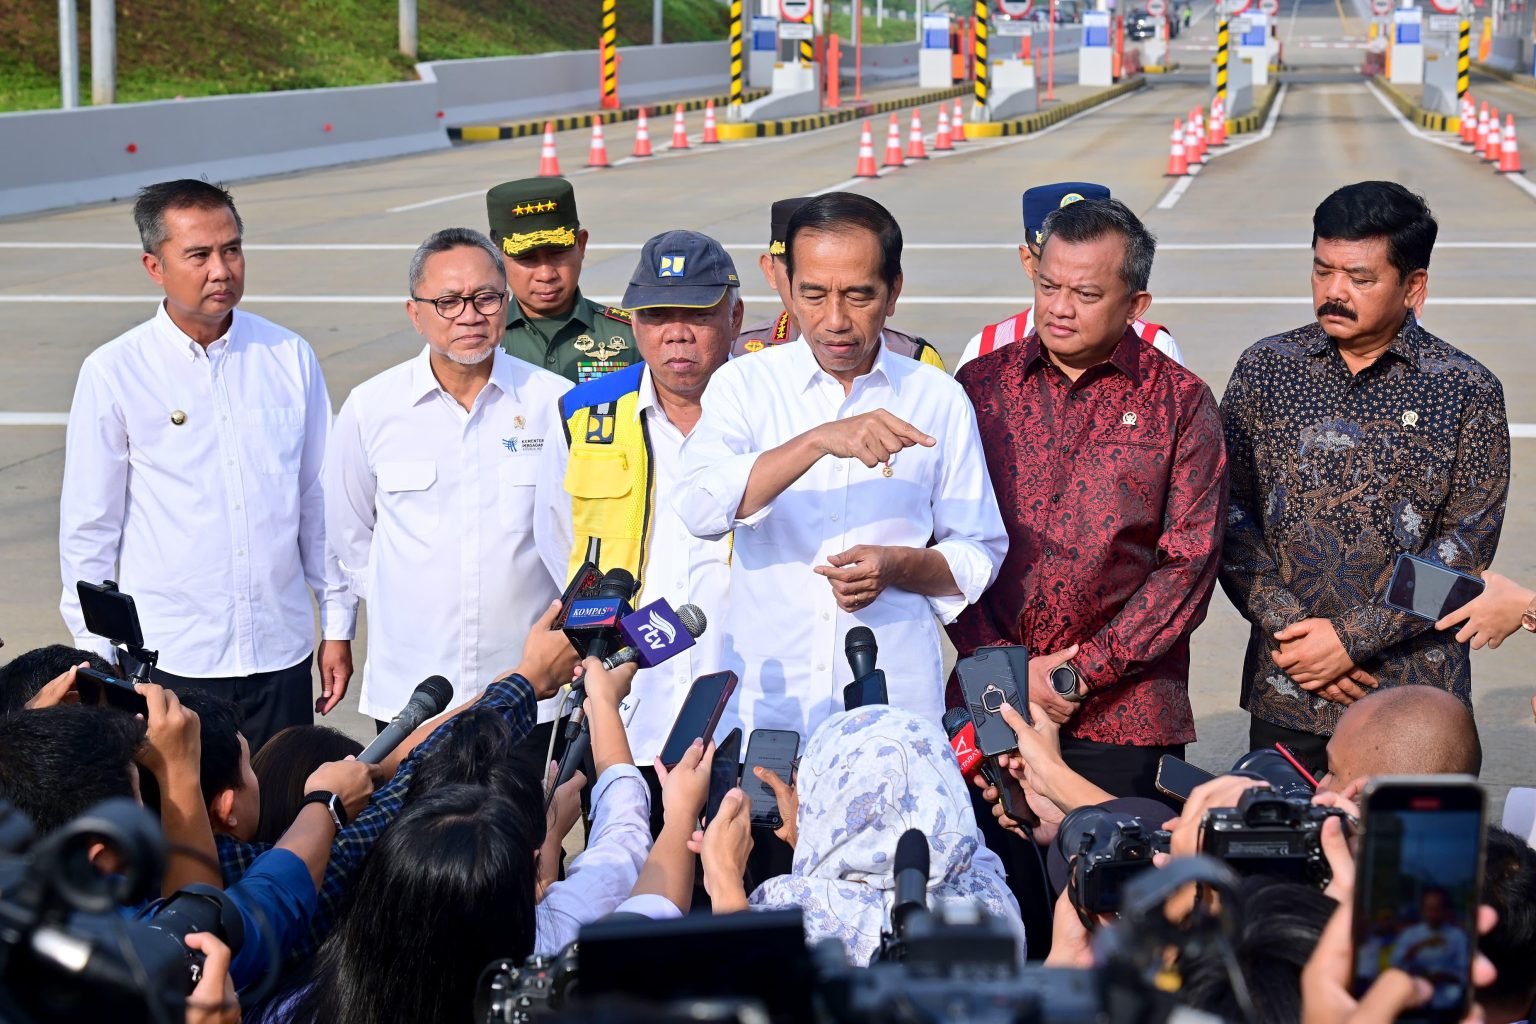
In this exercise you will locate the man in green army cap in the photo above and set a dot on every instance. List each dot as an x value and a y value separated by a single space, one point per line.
549 323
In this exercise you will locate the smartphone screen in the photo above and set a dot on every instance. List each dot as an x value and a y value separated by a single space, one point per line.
988 680
774 749
866 690
1430 591
1178 778
110 613
1420 873
724 773
699 715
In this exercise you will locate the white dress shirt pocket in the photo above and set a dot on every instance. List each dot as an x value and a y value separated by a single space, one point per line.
518 475
407 495
274 440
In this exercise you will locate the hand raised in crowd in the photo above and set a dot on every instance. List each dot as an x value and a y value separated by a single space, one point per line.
1336 846
59 690
860 574
726 846
1049 814
351 779
1040 691
1312 654
685 787
561 816
335 674
1222 791
213 999
788 798
609 686
174 739
871 437
1489 618
1325 981
549 660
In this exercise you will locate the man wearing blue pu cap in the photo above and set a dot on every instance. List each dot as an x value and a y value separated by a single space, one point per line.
1038 203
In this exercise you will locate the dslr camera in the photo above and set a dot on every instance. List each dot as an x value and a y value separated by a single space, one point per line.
1104 850
1275 831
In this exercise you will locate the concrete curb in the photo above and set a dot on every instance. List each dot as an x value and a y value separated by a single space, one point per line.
1045 118
571 122
738 130
1255 118
1161 69
1515 79
1426 119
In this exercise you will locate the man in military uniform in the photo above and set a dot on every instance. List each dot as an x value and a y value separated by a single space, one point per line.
549 323
781 328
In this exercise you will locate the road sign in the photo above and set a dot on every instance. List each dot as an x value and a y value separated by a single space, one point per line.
1446 6
1270 7
1015 8
1236 7
1157 8
1381 7
794 10
796 30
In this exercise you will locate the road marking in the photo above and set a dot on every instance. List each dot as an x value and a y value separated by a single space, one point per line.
1176 193
1520 181
1435 301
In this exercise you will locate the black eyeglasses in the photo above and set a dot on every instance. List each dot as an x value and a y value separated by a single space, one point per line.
450 306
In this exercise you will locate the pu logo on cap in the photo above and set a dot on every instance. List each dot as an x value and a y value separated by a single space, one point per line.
671 265
1070 198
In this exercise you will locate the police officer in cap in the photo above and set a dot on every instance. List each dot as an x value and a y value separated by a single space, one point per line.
781 328
549 323
1038 202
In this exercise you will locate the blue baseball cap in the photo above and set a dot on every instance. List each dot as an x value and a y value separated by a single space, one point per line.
1042 199
680 268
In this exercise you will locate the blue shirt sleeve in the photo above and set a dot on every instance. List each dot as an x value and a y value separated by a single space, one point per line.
276 900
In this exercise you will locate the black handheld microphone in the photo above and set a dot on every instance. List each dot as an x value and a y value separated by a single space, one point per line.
861 649
430 698
910 896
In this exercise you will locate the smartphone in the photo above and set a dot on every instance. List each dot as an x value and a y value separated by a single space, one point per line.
1178 778
1429 591
97 689
700 714
724 773
1416 892
988 679
867 689
110 613
776 750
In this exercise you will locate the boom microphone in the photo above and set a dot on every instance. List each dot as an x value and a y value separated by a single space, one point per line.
430 698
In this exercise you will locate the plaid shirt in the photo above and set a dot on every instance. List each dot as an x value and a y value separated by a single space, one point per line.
512 697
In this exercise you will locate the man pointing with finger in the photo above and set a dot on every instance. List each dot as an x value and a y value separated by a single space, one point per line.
853 483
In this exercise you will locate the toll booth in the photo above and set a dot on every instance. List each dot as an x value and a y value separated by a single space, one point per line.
1442 34
1408 46
794 86
1012 89
1249 36
1239 79
764 52
935 61
1095 60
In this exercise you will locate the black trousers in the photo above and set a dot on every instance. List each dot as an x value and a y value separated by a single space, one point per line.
1119 770
1310 749
269 702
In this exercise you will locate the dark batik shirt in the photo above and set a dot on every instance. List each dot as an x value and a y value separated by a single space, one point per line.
1334 475
1113 489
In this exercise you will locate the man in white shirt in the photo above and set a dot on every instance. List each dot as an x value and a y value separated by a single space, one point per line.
615 469
897 527
1038 202
429 487
192 469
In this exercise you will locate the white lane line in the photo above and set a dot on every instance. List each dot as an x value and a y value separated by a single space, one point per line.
1520 181
1171 199
743 246
916 300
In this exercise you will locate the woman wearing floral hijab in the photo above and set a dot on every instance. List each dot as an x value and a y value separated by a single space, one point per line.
866 777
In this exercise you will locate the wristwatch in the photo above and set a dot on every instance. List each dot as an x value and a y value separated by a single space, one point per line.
1066 682
332 803
1528 617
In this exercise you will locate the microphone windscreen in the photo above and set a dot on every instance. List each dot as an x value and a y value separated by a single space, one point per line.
437 690
912 852
693 619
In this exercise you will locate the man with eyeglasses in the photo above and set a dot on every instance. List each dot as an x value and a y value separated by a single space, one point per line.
550 323
429 481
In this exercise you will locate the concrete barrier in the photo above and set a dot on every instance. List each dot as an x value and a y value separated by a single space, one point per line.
1508 54
890 63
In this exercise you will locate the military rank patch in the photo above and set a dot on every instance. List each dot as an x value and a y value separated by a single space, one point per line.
615 313
754 346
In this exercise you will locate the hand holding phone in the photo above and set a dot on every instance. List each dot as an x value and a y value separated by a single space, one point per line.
1178 778
724 773
774 750
1429 591
699 716
989 679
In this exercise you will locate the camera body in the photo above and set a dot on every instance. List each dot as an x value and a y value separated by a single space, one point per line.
519 993
1105 850
1270 833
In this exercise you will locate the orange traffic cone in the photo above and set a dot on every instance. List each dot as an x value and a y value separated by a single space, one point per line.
942 142
1191 142
642 135
893 156
1468 120
915 147
866 165
1480 140
958 123
1218 122
1178 166
598 156
1509 154
1200 132
679 129
549 159
711 134
1495 138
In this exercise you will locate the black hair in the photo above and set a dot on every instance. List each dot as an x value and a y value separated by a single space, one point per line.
24 675
1509 886
1279 924
476 749
282 766
1089 220
182 194
1380 209
56 763
835 213
448 888
219 727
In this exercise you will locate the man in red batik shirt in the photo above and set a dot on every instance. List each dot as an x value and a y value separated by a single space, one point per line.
1109 466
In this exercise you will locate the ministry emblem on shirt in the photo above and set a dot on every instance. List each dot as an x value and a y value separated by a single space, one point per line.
1410 418
1128 419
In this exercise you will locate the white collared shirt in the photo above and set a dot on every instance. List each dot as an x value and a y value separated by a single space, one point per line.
214 525
784 634
430 511
678 566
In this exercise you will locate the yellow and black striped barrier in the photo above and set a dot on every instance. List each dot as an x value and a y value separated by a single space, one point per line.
572 122
1463 61
808 46
736 57
1046 118
981 53
1255 118
610 55
1427 119
1221 61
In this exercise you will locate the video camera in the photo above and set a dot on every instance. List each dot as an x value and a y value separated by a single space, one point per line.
66 950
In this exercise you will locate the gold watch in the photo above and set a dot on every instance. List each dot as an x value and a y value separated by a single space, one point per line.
1528 617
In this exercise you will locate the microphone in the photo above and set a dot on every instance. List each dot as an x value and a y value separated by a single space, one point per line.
911 867
961 730
429 700
591 623
860 647
655 633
